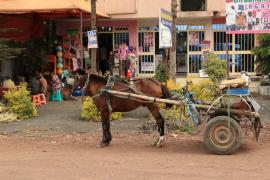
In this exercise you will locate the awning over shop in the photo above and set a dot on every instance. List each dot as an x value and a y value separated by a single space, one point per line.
46 6
24 19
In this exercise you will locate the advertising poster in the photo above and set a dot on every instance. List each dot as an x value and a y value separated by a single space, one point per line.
205 49
165 29
194 38
92 39
147 66
247 16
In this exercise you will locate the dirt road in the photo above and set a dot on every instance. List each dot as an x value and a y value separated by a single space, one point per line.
130 156
58 145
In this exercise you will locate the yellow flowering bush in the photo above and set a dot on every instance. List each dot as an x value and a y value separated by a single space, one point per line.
203 89
171 85
20 102
90 111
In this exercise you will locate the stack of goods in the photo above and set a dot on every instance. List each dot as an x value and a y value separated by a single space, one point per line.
59 56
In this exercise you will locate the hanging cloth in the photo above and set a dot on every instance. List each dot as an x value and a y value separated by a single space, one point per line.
75 64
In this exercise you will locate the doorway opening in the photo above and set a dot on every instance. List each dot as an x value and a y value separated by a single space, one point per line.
181 53
105 44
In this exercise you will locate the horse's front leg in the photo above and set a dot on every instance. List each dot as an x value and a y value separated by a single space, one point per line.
160 123
107 137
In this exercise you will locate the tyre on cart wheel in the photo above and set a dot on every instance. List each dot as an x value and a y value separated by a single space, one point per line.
222 135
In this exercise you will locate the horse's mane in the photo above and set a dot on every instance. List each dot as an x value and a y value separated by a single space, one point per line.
97 78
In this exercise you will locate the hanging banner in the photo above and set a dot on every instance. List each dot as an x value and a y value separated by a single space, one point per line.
92 39
165 29
247 16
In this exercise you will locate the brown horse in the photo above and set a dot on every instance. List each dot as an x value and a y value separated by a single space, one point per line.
107 103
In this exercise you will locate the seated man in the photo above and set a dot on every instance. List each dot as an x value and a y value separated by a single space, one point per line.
33 85
42 84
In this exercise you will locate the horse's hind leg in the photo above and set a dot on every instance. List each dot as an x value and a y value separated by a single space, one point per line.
153 108
105 128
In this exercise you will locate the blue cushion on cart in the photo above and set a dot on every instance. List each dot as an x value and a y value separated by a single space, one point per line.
238 91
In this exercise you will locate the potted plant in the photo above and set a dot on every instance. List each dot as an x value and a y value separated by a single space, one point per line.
264 88
263 55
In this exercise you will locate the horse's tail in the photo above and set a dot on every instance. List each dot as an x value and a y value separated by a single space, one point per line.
166 94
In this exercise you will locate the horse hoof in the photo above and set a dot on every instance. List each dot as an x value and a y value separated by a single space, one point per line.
159 145
102 145
160 141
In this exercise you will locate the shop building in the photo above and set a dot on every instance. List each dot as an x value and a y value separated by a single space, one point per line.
136 23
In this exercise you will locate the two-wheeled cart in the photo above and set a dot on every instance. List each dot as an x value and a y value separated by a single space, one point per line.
225 118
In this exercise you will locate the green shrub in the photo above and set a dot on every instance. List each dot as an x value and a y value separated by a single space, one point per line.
160 73
20 102
215 68
264 82
172 114
90 111
263 53
179 117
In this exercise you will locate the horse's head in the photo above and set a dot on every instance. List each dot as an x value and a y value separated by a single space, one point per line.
92 84
79 79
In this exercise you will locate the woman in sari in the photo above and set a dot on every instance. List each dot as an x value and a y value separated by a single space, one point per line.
55 88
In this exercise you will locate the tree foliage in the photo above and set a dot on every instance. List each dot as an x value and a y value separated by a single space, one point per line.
263 53
9 50
160 73
35 55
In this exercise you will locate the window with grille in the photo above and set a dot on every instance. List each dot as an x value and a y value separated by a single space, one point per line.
240 48
195 63
146 50
120 38
120 34
195 39
244 42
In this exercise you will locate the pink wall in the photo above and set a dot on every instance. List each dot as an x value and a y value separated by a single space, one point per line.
132 26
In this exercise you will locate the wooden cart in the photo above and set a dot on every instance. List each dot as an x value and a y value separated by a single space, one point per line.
223 123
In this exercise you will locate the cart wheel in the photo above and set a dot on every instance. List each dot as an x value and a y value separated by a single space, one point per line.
222 135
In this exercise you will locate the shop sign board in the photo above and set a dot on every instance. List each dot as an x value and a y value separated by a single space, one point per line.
247 16
92 39
147 66
205 49
165 29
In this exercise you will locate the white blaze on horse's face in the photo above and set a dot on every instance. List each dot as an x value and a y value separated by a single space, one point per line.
80 77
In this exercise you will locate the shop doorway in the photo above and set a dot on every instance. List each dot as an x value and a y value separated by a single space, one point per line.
105 44
181 53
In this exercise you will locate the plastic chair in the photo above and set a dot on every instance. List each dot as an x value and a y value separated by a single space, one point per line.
36 100
56 96
42 99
